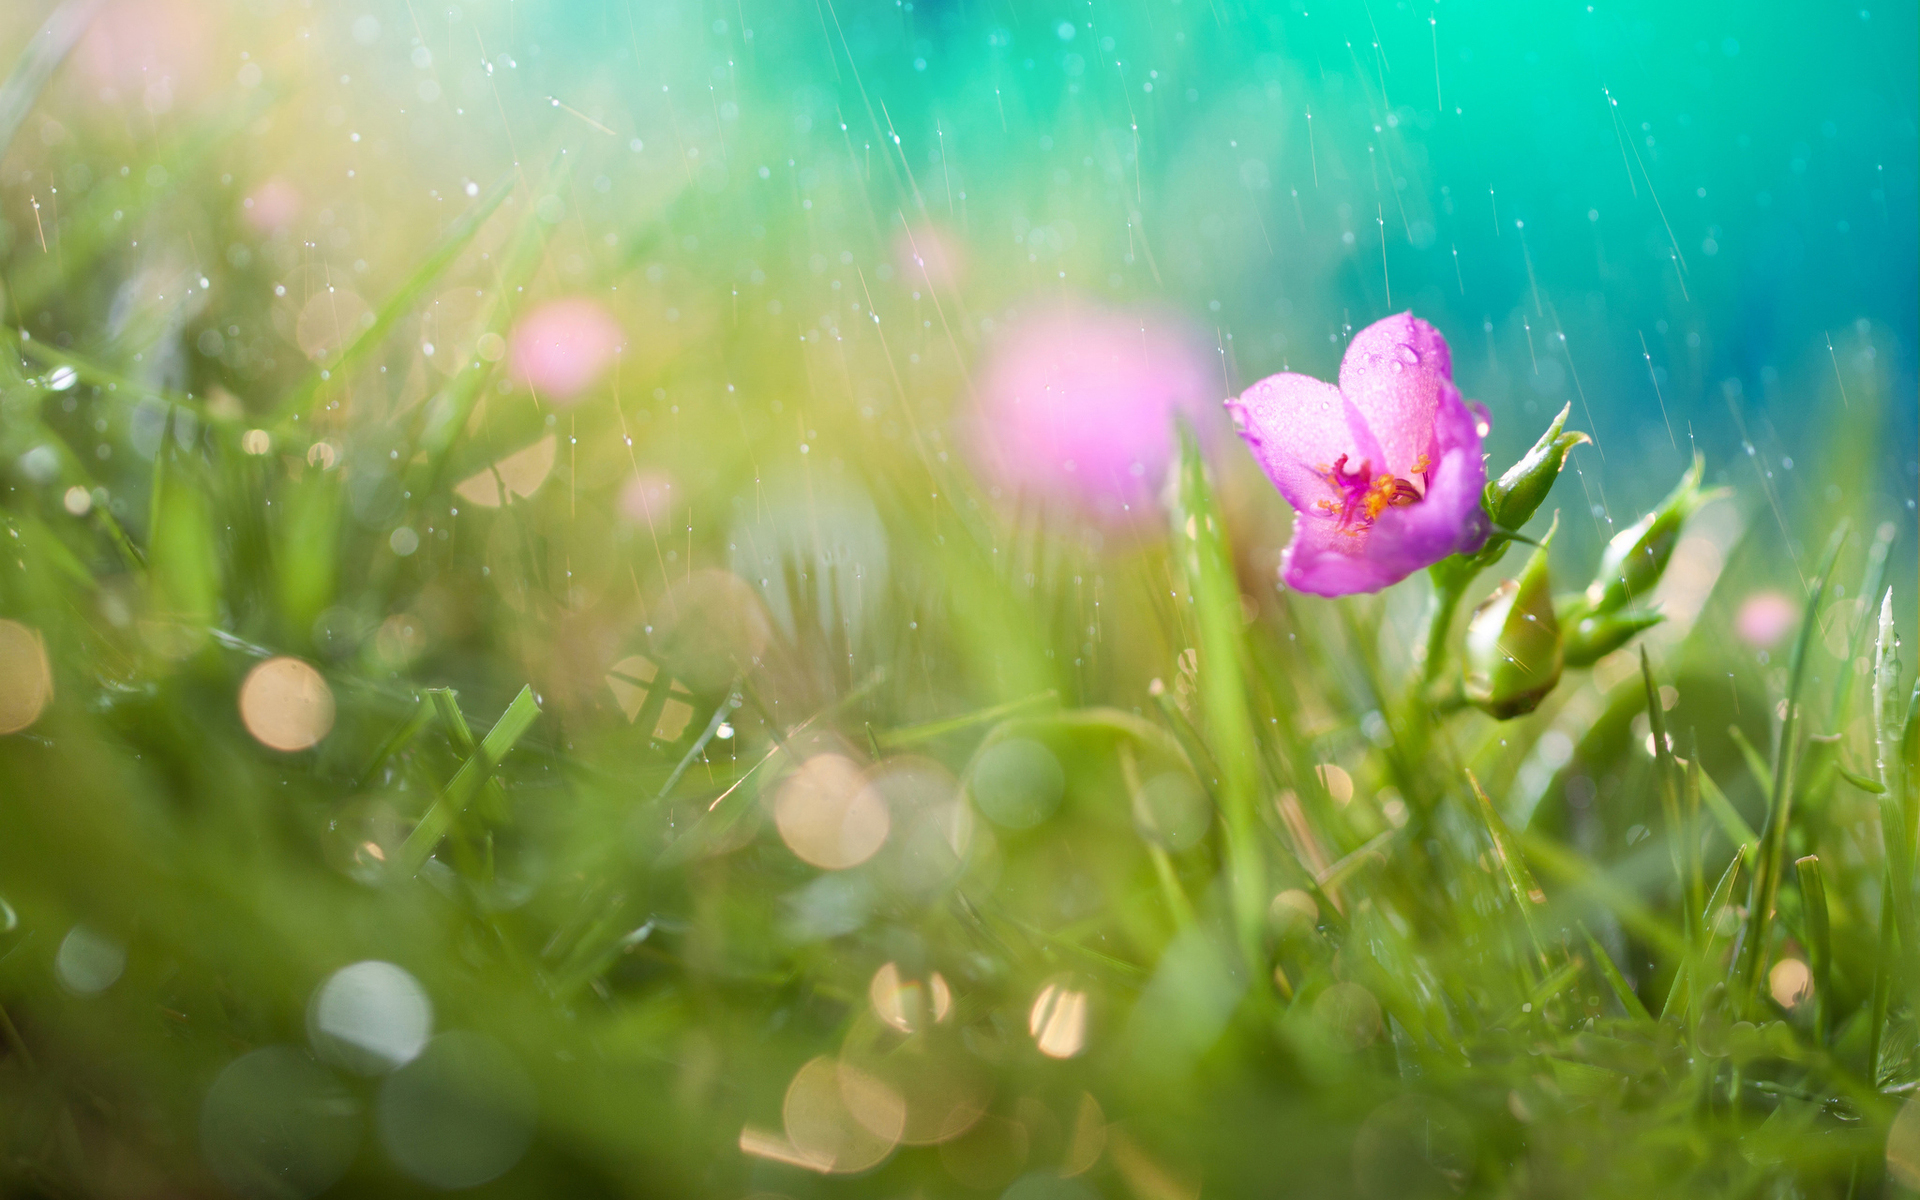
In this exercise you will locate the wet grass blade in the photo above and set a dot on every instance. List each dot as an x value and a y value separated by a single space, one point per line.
473 773
909 735
1523 889
1200 540
1615 980
1666 779
1569 867
1751 963
1813 900
1739 833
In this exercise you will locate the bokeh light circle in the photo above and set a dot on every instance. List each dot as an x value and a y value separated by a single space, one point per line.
458 1115
828 816
370 1018
842 1117
88 961
286 705
278 1126
1017 783
26 677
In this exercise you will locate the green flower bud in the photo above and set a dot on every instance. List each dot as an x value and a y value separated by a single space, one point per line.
1512 499
1637 555
1513 649
1590 637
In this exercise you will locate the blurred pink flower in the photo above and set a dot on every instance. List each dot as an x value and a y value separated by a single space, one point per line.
1764 618
927 256
1078 407
647 498
1384 471
273 205
562 347
147 50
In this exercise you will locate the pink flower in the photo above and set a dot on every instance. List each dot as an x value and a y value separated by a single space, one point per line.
1764 618
1384 471
1077 408
562 347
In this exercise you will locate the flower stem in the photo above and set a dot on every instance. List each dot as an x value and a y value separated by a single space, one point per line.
1440 610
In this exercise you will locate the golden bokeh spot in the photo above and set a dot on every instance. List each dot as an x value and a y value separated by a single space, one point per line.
322 455
840 1117
26 677
77 500
1058 1021
256 441
519 474
828 816
1791 982
764 1143
1335 779
1293 913
286 704
909 1005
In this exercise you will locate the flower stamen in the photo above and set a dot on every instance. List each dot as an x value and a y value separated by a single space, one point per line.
1364 495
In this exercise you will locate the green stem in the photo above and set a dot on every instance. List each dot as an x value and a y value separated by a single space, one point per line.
1440 610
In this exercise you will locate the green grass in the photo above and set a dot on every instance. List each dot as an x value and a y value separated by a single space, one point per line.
1309 923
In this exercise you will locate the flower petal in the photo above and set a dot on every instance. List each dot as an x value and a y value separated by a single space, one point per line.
1325 560
1297 428
1449 520
1328 561
1394 372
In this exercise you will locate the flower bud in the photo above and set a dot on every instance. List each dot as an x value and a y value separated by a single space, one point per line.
1637 555
1512 499
1590 637
1513 649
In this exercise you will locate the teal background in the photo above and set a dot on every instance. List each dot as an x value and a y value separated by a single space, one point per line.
1733 183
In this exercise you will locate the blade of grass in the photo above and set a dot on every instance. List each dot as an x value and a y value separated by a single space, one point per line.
1200 540
1666 778
1525 891
478 768
1570 868
1813 901
1756 761
909 735
1629 1002
1751 962
48 48
1735 826
398 740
